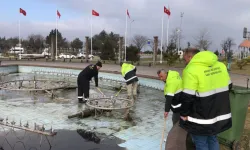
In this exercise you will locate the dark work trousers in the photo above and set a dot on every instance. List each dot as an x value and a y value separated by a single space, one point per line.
175 118
83 88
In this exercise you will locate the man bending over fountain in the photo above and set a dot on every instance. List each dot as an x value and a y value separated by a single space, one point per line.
176 139
129 73
83 81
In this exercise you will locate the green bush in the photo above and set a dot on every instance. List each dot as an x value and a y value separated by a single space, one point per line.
132 53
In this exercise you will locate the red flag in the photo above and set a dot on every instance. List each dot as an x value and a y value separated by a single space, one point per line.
128 13
167 11
94 13
22 11
58 14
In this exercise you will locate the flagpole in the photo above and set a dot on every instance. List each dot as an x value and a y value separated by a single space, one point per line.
19 33
126 36
56 32
167 31
91 34
162 22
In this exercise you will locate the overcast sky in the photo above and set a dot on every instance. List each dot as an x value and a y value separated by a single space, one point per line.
222 18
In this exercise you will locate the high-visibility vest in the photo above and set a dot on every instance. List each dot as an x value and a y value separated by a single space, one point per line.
172 91
129 73
205 98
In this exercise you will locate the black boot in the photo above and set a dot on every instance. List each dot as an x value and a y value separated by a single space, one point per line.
82 101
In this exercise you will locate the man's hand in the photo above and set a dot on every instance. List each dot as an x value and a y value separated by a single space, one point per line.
184 118
165 114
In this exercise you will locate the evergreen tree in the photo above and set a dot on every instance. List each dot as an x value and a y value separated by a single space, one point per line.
107 52
132 53
171 56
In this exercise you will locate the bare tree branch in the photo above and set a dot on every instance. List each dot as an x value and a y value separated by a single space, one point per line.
139 41
173 38
227 44
203 40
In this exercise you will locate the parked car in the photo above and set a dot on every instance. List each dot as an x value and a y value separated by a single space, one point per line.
83 55
91 56
67 56
16 50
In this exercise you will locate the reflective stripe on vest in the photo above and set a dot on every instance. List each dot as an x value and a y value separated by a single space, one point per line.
176 106
131 78
210 121
171 94
205 94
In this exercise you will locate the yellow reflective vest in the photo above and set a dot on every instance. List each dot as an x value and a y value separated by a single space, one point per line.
128 71
205 98
172 91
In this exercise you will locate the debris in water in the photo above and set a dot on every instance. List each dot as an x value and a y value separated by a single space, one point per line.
88 135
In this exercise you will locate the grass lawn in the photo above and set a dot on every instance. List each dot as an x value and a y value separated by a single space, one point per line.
245 70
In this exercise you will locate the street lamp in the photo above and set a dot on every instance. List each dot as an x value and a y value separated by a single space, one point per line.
179 35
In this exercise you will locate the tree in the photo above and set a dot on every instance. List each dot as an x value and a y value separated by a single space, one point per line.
107 52
99 39
132 53
171 55
76 44
174 36
203 40
226 45
60 40
139 41
35 43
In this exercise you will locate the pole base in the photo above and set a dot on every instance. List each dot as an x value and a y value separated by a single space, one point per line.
56 57
161 61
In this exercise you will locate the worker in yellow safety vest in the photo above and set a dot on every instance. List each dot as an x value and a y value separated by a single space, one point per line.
128 71
176 139
205 110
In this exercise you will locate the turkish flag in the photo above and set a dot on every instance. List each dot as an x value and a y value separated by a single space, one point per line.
58 14
94 13
167 11
128 13
22 11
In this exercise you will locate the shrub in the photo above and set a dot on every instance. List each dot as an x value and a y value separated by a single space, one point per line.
241 63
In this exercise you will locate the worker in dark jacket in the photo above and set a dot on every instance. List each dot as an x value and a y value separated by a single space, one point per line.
205 110
128 71
176 139
83 81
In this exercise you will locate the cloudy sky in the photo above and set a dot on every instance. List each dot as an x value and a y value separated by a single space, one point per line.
222 18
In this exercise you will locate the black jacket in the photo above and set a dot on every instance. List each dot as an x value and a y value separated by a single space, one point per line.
88 73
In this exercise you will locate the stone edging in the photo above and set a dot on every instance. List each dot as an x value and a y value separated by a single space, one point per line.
78 68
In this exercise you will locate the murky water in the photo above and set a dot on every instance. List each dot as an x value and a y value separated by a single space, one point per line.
38 107
64 140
